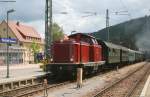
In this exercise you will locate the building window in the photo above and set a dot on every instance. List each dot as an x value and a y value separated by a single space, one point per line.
4 29
21 44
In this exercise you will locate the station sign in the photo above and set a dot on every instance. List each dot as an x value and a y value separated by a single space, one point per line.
8 40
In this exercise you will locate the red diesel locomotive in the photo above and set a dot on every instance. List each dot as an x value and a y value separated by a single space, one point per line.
85 51
80 50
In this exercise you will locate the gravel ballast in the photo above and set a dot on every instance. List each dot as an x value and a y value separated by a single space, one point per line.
93 84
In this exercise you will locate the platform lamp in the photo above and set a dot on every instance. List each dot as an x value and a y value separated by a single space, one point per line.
7 49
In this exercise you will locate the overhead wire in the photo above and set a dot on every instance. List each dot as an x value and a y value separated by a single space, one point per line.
126 8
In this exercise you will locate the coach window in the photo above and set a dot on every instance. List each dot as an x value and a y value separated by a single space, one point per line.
110 52
108 49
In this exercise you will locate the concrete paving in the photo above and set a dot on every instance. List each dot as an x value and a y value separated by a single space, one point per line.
19 72
146 89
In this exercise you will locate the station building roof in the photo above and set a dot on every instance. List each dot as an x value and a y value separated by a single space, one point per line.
23 32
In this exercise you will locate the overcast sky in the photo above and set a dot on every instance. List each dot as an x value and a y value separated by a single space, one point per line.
32 13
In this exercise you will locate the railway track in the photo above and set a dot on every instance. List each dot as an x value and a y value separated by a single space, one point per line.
125 86
17 90
29 90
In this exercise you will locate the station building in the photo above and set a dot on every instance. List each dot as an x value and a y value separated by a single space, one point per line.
20 52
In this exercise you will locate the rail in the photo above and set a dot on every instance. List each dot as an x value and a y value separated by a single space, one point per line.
118 81
41 89
9 92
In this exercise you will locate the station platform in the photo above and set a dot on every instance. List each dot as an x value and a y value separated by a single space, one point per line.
20 72
146 89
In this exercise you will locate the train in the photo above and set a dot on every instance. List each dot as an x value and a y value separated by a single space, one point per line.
85 51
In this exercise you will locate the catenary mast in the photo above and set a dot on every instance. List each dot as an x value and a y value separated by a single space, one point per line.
48 28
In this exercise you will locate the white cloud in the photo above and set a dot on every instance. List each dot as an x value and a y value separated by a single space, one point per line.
32 12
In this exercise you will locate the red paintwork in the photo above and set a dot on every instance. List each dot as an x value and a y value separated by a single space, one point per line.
95 50
79 48
95 53
76 53
63 51
84 52
68 51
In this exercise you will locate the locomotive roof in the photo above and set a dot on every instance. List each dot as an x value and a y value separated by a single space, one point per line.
82 34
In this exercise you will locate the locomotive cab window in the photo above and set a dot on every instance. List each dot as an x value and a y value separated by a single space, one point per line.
94 41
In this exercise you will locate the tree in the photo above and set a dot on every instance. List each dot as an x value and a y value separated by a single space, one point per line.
57 32
35 48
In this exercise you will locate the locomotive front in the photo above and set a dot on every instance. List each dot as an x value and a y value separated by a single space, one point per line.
70 52
67 55
79 50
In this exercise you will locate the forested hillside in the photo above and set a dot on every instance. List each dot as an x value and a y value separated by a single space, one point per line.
131 33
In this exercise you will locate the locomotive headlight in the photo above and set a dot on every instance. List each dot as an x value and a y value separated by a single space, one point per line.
71 59
51 59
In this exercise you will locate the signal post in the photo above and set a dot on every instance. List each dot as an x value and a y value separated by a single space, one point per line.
79 77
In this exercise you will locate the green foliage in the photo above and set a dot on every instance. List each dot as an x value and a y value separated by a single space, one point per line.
57 32
35 48
124 33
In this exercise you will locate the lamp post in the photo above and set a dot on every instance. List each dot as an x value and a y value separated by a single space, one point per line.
7 1
7 49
